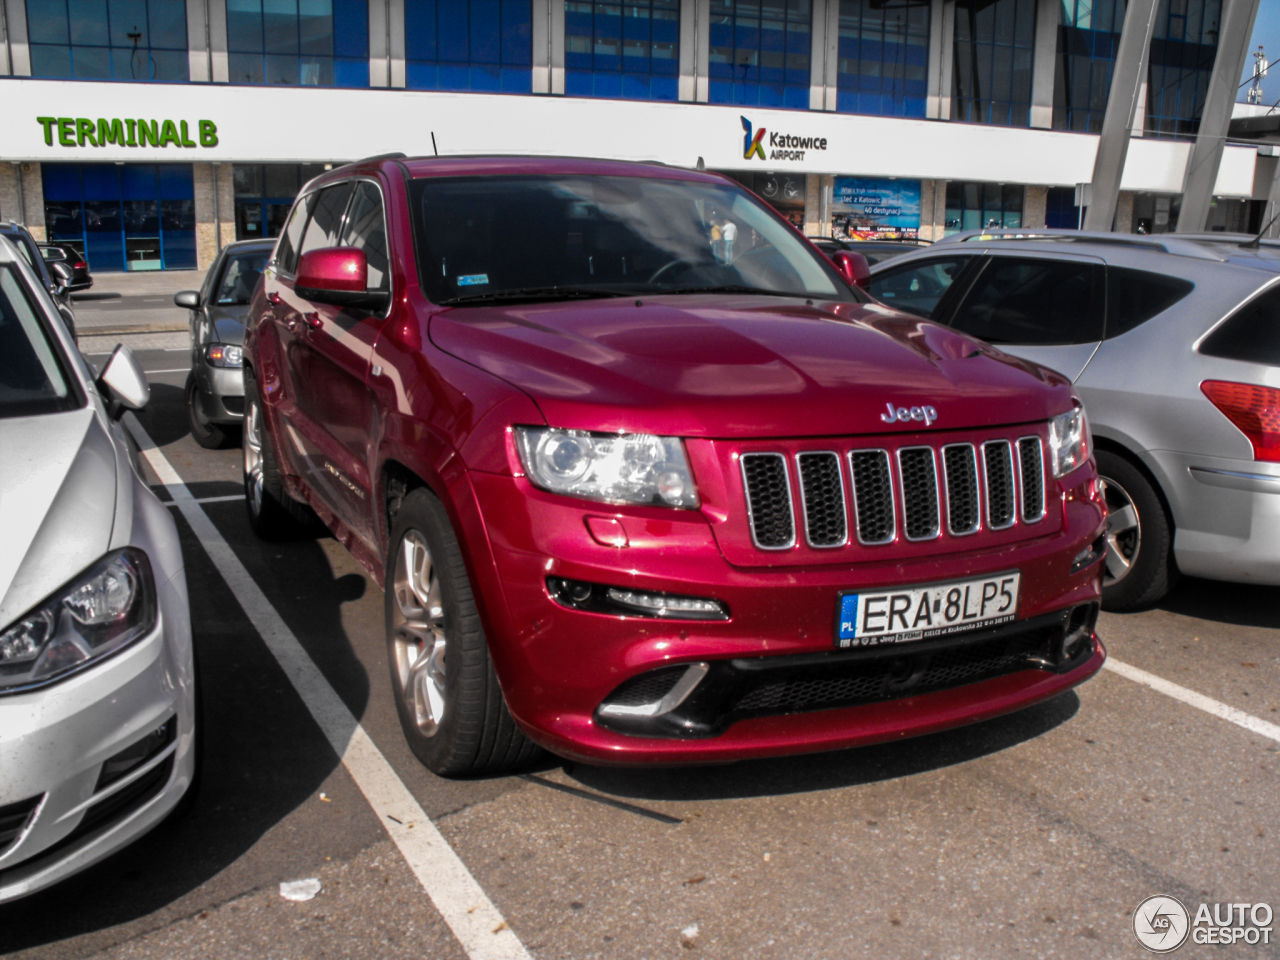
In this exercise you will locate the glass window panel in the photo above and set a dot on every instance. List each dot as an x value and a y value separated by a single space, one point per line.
1032 302
244 28
365 230
282 69
50 61
127 17
91 63
246 68
326 218
280 28
247 179
171 65
47 21
315 27
88 22
168 21
282 180
351 30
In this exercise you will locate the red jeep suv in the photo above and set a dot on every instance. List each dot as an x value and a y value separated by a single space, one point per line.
638 492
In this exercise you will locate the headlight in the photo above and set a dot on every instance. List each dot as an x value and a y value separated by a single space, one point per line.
633 468
1068 441
109 606
224 355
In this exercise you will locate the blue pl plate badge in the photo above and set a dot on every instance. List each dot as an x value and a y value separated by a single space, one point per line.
473 280
848 617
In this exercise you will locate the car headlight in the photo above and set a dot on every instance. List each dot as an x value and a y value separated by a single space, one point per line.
224 355
1068 441
632 468
105 609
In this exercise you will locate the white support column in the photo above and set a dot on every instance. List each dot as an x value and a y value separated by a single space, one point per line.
17 53
702 53
379 43
832 74
198 41
556 42
688 48
818 56
540 25
1126 83
1048 13
219 68
942 29
1206 153
397 52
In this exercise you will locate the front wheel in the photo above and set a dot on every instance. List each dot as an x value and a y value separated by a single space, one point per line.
273 514
1139 566
447 695
209 435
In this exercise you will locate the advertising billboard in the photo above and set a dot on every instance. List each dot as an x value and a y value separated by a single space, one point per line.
864 207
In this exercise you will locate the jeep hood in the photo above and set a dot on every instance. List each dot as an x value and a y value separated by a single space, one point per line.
744 366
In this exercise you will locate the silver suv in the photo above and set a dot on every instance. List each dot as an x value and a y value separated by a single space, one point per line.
1174 345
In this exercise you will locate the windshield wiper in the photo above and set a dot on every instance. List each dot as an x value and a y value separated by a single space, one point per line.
538 293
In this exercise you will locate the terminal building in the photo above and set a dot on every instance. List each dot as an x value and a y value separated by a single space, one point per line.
149 133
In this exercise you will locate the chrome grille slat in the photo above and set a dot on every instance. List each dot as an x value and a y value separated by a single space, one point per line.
769 510
873 506
960 473
1031 478
918 473
822 499
1002 504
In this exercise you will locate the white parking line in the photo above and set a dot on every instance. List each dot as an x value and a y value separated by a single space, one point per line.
1197 700
468 911
229 497
174 370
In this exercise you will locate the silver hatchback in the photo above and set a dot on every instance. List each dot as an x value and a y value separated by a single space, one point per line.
1174 346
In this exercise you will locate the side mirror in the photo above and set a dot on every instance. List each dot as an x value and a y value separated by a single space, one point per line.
337 275
62 275
853 267
124 383
190 299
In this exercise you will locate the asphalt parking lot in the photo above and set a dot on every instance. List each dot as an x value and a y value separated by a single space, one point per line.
1033 835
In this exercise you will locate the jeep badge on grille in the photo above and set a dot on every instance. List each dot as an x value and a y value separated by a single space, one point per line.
926 414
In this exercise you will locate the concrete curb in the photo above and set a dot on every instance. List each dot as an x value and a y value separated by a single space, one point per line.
88 330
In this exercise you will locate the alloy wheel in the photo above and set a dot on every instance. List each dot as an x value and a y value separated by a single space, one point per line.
1124 532
253 457
418 642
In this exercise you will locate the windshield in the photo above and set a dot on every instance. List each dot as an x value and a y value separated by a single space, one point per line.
483 239
32 379
240 277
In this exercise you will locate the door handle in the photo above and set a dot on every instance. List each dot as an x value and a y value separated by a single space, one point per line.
313 320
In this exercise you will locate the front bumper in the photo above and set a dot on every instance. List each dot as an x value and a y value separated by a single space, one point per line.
56 741
558 665
220 392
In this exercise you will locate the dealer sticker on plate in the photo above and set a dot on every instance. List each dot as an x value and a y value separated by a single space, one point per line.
926 611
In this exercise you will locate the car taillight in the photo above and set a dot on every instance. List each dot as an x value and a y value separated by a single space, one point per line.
80 265
1254 410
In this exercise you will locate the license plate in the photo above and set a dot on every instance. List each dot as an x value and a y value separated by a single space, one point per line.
904 614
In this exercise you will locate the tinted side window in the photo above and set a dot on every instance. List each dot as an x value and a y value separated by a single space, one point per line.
365 229
917 287
1252 334
1135 296
326 218
291 235
1034 302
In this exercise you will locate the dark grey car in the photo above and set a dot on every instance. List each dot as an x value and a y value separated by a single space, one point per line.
215 386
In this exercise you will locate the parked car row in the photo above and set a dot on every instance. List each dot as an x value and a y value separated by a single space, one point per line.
1173 344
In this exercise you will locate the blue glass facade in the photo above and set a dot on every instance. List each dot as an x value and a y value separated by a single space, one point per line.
974 205
108 39
994 43
629 50
1182 53
884 57
481 45
310 43
1088 38
760 52
133 216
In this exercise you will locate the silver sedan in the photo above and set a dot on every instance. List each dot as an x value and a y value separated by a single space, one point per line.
97 679
1174 345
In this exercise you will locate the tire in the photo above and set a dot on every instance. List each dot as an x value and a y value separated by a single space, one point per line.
209 435
273 514
1139 568
455 719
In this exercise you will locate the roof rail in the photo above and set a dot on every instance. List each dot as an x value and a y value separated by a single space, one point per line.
1165 243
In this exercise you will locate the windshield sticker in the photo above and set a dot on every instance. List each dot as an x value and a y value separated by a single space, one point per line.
473 280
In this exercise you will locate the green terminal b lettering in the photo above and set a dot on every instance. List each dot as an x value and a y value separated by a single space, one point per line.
131 132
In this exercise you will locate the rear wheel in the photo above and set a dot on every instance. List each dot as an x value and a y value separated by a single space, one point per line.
209 435
1139 566
447 695
273 514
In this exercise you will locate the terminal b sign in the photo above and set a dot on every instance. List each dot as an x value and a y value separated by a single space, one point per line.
128 132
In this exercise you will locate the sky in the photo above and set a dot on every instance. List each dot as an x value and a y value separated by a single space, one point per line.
1266 31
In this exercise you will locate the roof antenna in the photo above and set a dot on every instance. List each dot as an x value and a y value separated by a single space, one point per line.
433 143
1256 242
701 164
